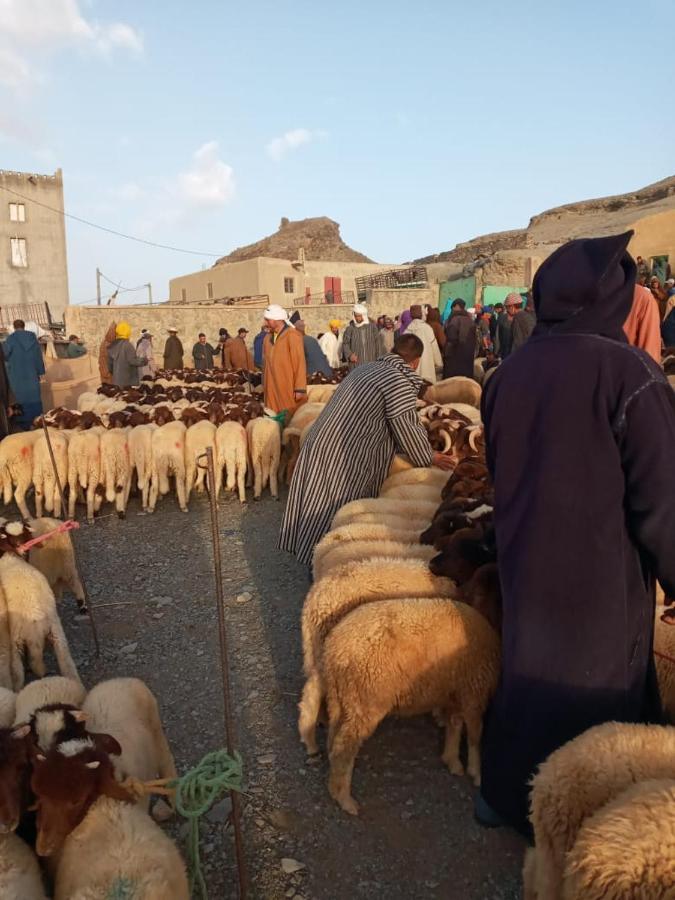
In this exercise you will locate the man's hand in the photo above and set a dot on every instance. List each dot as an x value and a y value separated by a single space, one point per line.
353 358
443 461
299 394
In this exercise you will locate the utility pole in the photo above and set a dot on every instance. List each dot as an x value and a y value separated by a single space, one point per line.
98 286
149 287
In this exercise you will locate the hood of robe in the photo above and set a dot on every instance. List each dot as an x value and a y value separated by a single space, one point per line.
586 287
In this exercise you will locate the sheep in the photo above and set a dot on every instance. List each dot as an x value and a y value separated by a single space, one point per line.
198 438
407 656
32 619
352 550
382 505
399 464
435 477
16 468
116 468
264 441
52 692
55 558
87 401
367 532
232 455
84 471
336 594
304 414
664 658
627 848
413 521
424 493
20 876
457 389
579 778
7 707
140 451
168 458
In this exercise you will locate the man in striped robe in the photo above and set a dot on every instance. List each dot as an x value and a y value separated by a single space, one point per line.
348 451
361 342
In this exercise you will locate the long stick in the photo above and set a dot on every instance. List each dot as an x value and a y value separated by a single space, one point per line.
225 670
87 599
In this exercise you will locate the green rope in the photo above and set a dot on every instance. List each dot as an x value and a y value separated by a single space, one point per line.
196 792
121 889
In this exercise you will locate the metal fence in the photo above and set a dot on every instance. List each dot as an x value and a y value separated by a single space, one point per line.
29 312
412 276
316 299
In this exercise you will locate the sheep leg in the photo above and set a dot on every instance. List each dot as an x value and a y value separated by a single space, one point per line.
72 497
474 730
345 739
180 491
453 736
36 657
530 875
20 499
67 666
76 588
91 493
310 706
241 482
189 479
257 479
38 503
154 491
274 485
16 667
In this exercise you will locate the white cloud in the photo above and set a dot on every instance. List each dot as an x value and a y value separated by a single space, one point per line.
29 27
278 147
209 182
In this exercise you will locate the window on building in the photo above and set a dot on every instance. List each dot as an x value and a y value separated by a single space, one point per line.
19 255
209 290
183 294
17 212
289 285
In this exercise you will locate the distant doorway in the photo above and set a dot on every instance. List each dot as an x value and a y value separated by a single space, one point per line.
332 288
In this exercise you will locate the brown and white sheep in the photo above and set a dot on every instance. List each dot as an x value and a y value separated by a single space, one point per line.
336 594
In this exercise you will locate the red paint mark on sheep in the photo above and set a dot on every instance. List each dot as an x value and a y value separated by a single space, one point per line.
25 451
177 445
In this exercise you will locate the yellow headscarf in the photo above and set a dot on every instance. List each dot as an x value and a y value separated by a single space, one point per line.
123 331
335 323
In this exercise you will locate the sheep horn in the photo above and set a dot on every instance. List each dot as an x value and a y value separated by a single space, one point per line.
447 439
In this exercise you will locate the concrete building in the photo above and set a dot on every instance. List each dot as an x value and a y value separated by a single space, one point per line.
33 263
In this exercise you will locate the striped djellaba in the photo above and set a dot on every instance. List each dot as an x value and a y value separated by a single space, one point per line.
363 340
349 449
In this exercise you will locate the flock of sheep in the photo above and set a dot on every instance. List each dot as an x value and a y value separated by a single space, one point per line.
70 761
410 577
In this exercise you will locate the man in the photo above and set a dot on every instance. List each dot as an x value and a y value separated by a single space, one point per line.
173 351
523 325
642 268
202 353
315 358
431 358
25 365
361 342
659 295
258 343
122 359
460 345
236 353
331 343
497 312
580 430
643 326
108 338
504 337
388 335
285 370
348 451
224 341
75 347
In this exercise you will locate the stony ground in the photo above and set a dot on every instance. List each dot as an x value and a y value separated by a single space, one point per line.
151 582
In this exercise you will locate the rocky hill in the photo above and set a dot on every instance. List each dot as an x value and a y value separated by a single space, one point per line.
550 229
320 238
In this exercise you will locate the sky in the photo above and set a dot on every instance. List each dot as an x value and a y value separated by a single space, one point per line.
414 125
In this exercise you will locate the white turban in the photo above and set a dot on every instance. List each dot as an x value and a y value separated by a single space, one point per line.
276 313
360 310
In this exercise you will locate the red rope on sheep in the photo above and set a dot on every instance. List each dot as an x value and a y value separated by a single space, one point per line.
664 656
68 525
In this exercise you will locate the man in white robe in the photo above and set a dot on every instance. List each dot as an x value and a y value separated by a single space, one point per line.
431 358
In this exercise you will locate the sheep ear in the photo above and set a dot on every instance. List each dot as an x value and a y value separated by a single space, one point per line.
91 765
106 743
40 757
21 731
79 715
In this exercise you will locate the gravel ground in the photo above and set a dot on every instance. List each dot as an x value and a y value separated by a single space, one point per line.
151 583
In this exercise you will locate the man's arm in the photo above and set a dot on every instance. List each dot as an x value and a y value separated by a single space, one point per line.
298 365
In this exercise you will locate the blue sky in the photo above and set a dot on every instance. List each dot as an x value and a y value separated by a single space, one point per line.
414 125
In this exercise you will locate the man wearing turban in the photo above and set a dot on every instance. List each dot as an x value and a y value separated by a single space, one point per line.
361 342
331 343
285 370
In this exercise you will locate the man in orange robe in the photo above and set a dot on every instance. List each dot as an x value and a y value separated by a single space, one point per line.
284 368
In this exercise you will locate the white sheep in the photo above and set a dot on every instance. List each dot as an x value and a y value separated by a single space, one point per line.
412 522
303 415
44 479
140 450
119 851
84 470
408 657
579 778
7 707
32 619
16 468
116 467
55 558
399 464
431 476
320 393
422 509
355 550
264 442
457 389
198 438
87 401
168 458
232 455
6 681
20 876
664 659
627 848
336 594
355 532
422 493
55 689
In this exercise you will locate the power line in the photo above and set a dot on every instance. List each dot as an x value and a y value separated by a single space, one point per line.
120 288
129 237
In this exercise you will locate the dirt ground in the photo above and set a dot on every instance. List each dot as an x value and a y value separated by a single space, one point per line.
151 582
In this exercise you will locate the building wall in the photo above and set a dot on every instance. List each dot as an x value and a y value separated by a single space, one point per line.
654 236
45 278
265 275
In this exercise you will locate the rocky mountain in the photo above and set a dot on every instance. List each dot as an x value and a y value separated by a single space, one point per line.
320 238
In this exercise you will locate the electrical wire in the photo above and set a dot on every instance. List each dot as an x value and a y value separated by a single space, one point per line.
129 237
